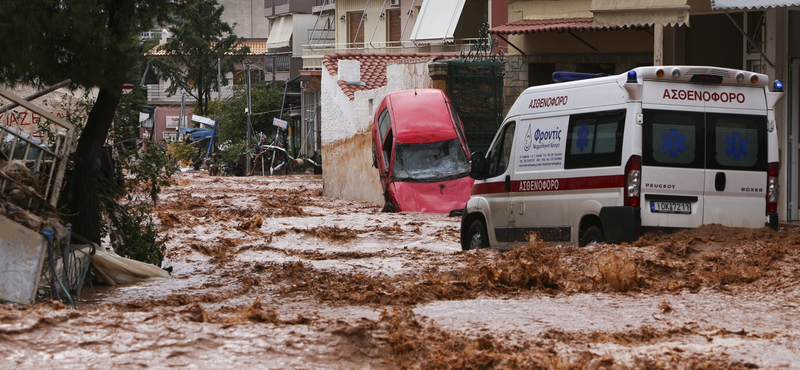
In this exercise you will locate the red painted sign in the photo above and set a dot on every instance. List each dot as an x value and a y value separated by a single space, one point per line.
548 102
691 95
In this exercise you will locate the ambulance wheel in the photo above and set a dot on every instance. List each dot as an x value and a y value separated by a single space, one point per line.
592 235
388 207
477 238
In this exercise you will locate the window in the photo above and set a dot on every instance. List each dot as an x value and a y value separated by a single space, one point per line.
383 123
713 141
429 162
737 142
169 136
672 139
355 33
500 155
387 148
595 139
394 26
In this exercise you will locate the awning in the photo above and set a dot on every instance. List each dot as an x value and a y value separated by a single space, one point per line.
437 21
549 25
281 33
751 4
640 12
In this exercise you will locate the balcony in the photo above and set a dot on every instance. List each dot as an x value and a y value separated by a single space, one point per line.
156 94
277 62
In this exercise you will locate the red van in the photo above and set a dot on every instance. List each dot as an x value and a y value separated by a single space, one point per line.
419 147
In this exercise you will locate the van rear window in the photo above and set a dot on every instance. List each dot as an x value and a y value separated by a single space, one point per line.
595 139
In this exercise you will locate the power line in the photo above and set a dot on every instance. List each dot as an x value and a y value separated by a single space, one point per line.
278 110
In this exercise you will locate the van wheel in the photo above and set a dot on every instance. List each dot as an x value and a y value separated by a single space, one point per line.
477 238
592 235
388 207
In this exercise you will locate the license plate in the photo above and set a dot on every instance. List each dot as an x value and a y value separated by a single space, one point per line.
670 207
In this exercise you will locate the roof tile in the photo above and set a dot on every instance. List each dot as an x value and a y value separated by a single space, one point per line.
373 67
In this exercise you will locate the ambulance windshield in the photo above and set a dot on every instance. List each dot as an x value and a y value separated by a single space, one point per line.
444 160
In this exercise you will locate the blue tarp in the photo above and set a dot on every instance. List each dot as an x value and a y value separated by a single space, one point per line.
197 133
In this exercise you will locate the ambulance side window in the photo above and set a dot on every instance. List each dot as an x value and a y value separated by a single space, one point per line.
672 139
595 139
500 155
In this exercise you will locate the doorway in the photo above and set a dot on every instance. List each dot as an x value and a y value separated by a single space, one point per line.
793 157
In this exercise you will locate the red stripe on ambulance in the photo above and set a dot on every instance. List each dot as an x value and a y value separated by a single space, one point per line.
574 183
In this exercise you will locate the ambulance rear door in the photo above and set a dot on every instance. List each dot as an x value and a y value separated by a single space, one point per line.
736 156
673 157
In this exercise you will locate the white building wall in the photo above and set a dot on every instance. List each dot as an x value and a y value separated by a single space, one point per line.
246 17
346 137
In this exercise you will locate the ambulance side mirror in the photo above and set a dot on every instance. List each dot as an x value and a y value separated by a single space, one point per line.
477 168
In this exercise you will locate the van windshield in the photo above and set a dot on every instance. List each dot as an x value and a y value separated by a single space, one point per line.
444 160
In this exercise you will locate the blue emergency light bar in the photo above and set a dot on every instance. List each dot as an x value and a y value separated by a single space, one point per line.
574 76
632 78
777 86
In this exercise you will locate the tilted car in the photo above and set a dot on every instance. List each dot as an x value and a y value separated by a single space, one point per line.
419 147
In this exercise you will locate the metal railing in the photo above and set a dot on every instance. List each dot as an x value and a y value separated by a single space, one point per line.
157 93
281 62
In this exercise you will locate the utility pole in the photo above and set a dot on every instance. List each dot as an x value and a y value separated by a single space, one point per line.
249 112
183 112
219 85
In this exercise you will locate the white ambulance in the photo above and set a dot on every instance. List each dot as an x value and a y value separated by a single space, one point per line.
609 158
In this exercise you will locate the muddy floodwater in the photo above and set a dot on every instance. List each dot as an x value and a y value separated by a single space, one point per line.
269 274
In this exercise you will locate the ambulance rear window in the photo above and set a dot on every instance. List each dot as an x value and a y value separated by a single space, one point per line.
719 141
595 139
670 138
740 142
